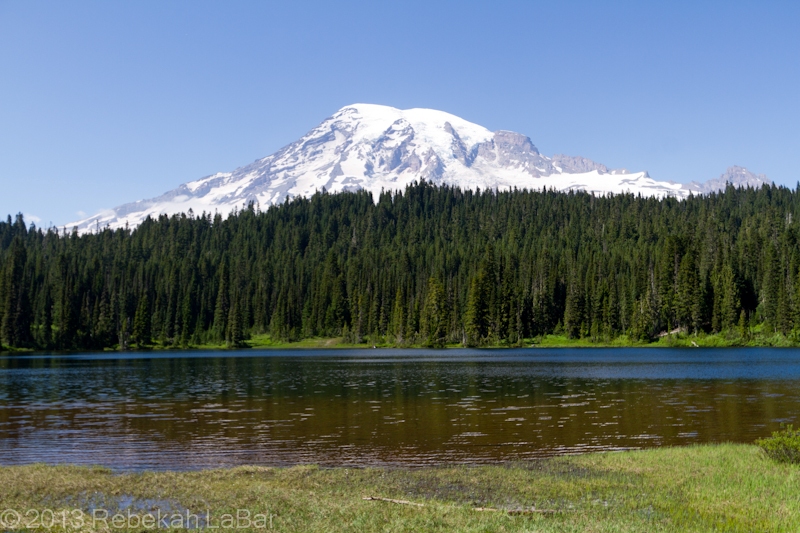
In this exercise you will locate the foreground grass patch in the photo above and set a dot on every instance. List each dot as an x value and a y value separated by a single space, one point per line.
699 488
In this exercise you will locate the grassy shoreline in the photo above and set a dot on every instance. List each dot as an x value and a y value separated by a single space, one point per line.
723 487
678 340
756 339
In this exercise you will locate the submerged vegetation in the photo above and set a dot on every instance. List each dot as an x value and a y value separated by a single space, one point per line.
431 266
725 487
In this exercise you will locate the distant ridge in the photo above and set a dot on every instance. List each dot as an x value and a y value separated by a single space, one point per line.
736 176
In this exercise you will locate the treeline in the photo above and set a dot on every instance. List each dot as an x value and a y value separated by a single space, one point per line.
431 265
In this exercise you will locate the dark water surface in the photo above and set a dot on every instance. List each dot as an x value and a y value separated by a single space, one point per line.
186 410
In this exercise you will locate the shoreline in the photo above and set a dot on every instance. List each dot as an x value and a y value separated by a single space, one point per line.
265 342
698 487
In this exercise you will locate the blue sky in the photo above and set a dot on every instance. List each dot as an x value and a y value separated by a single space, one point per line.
107 102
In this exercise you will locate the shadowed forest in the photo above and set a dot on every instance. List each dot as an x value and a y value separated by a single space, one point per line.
432 265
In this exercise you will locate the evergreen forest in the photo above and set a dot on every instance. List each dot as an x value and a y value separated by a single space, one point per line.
431 265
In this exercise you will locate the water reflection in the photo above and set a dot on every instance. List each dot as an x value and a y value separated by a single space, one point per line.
192 410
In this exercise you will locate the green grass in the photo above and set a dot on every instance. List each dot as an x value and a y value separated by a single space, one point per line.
678 340
13 350
698 488
266 341
757 337
562 341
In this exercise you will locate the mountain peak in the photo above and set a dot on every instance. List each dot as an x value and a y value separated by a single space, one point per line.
377 147
373 120
734 175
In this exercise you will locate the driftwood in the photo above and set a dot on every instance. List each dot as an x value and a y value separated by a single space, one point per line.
511 512
401 502
514 512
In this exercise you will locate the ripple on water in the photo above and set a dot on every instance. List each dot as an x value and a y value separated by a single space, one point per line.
185 411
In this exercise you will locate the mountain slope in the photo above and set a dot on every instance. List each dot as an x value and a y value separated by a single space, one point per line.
373 147
735 175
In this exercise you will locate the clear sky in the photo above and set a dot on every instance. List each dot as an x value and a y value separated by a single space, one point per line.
107 102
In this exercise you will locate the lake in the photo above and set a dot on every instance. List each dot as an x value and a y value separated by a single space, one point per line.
188 410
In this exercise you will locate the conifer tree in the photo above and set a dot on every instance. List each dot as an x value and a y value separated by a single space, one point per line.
477 316
222 307
398 318
141 322
574 310
435 317
16 319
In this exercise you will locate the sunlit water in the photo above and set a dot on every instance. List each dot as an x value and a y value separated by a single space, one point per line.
188 410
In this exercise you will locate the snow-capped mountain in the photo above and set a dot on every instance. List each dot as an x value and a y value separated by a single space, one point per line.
374 147
735 175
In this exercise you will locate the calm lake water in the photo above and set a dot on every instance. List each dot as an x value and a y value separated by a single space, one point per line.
189 410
